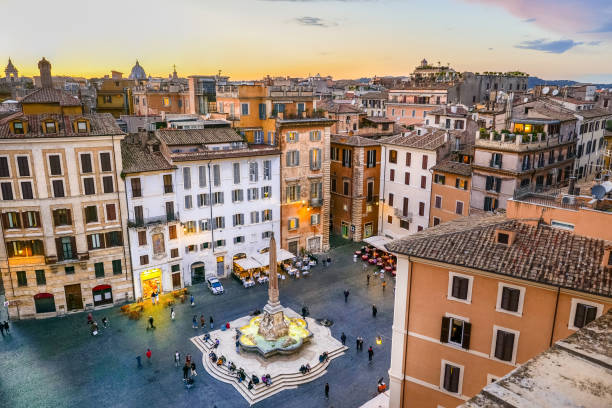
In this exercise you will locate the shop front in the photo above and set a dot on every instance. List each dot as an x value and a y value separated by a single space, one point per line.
44 303
151 280
102 295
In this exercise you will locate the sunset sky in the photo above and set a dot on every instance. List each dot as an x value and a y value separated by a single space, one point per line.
247 39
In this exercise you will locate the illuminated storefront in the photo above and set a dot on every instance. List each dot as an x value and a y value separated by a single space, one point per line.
151 282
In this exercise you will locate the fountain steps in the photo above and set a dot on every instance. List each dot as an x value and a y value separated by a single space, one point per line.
261 391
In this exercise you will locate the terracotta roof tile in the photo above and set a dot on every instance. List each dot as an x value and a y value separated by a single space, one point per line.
454 167
51 95
354 140
430 139
101 124
173 137
137 159
539 253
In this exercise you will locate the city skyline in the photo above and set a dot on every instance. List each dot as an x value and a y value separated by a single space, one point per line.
345 39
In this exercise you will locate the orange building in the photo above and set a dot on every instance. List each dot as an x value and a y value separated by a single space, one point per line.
288 117
355 182
114 95
478 296
147 101
450 190
410 106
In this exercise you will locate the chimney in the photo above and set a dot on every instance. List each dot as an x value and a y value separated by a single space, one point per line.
143 135
44 67
572 183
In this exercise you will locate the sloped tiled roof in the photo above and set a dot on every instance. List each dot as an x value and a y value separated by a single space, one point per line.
137 159
340 108
100 124
173 137
454 167
431 139
354 140
445 110
539 253
379 119
51 95
374 95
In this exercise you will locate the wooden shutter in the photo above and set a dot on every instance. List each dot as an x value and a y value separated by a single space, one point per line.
73 246
405 207
497 184
54 164
390 199
448 369
89 242
456 288
425 162
489 183
69 216
423 182
58 248
467 331
505 300
513 299
463 290
499 345
288 137
408 158
591 314
105 161
407 178
444 330
37 217
455 371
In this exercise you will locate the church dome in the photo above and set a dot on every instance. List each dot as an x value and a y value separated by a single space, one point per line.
137 72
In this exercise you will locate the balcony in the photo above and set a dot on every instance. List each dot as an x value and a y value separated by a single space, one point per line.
495 165
518 142
316 202
161 219
400 214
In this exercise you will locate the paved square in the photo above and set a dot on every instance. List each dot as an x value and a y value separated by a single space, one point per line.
58 363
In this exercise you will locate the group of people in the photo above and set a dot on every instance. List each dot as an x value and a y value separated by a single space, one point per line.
305 368
155 297
93 325
202 322
4 327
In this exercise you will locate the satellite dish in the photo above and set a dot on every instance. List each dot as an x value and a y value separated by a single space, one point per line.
555 92
545 90
526 100
599 191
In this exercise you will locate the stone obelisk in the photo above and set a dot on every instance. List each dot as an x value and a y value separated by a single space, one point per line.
273 323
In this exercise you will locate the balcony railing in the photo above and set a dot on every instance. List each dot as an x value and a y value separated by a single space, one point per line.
400 214
142 222
316 202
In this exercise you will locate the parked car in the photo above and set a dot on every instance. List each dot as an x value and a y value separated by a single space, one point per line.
215 286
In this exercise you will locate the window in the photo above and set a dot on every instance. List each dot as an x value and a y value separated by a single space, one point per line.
62 217
335 153
238 219
86 166
26 190
504 344
7 191
346 187
439 178
404 224
315 219
390 199
315 135
18 127
117 267
293 158
253 193
315 159
244 108
438 202
371 158
91 214
237 195
23 166
255 217
166 101
113 239
253 172
423 181
168 184
40 277
392 156
58 188
144 259
191 248
202 176
69 270
293 224
55 166
217 198
11 220
369 190
89 186
262 111
21 278
31 219
239 240
583 312
459 207
189 227
391 175
203 199
347 158
111 214
266 235
424 162
408 159
220 243
50 127
174 253
107 183
218 222
293 193
266 192
236 167
81 126
4 167
456 331
436 221
292 137
95 241
142 238
266 215
99 269
451 377
490 204
172 232
136 188
422 209
460 287
267 170
407 178
389 219
496 160
186 178
461 183
333 184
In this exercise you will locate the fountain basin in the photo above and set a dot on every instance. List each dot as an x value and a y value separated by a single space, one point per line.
251 340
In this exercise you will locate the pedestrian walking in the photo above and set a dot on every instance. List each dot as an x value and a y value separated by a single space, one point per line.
89 318
139 362
188 359
304 312
346 295
105 322
211 322
368 280
148 354
186 368
237 347
2 329
151 325
202 321
172 315
6 327
370 353
384 285
357 343
195 322
374 310
177 358
193 369
192 300
327 390
343 338
360 343
328 260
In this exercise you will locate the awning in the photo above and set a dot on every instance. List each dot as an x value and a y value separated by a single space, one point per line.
378 242
101 287
281 255
247 263
43 296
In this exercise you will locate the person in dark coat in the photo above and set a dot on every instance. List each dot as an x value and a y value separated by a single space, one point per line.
186 368
370 353
211 322
374 310
346 295
343 338
326 390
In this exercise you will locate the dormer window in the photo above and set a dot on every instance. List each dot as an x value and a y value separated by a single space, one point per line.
504 237
50 127
18 128
81 126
